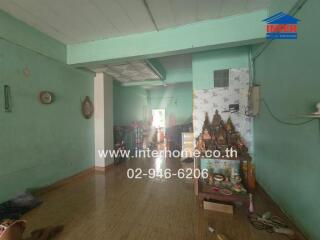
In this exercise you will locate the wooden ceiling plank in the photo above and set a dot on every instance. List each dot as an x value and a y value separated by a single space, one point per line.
185 11
32 18
233 7
73 24
96 19
162 13
85 22
138 14
208 9
114 12
74 21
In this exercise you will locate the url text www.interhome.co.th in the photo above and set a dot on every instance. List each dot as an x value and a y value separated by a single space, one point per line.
148 153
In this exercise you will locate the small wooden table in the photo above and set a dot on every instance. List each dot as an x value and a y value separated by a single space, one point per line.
206 192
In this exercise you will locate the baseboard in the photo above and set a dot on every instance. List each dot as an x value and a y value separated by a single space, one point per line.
63 182
279 211
103 169
70 179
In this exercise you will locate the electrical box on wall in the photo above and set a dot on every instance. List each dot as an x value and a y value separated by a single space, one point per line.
254 100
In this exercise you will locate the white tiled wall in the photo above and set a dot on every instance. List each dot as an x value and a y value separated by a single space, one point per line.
208 100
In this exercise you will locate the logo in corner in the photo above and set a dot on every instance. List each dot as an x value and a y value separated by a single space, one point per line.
281 26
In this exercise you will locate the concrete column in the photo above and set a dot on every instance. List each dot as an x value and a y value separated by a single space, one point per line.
108 116
103 118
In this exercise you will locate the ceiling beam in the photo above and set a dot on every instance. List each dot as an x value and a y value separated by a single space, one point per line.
157 67
146 83
206 35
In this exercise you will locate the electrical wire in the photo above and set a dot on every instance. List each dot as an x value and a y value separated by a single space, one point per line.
293 12
281 121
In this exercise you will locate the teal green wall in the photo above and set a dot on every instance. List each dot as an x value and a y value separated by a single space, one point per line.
287 157
129 104
21 34
176 99
134 103
40 144
204 63
179 76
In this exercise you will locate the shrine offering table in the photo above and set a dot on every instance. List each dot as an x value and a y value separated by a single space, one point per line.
205 191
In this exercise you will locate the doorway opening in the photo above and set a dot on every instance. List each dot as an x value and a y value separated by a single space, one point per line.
159 126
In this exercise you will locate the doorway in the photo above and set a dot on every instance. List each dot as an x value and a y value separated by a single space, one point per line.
159 126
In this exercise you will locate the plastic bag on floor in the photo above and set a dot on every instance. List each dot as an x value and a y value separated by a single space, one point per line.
16 207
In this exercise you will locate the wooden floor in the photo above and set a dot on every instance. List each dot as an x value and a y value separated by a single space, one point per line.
111 206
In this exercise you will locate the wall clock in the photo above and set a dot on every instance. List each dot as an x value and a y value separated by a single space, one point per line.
87 108
46 97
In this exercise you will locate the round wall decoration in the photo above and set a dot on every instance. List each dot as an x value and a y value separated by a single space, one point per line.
46 97
87 108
